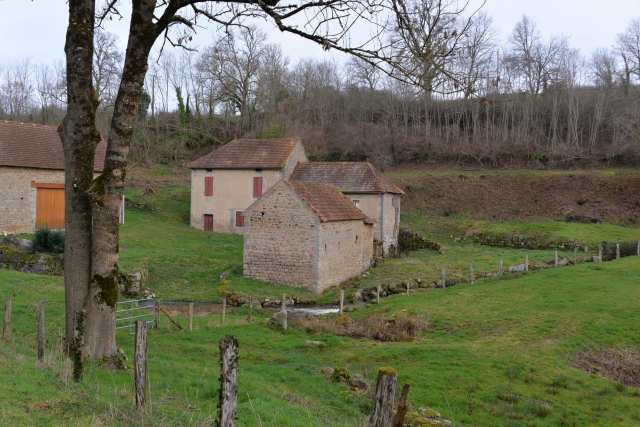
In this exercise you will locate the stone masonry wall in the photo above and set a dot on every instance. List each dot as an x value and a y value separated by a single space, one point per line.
281 240
391 222
18 199
341 252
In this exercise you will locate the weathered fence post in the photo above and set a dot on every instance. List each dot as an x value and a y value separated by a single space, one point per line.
575 255
6 330
250 308
341 301
408 286
140 361
157 315
284 302
228 381
41 338
471 272
191 315
556 262
444 281
402 407
600 253
500 268
378 294
224 308
526 262
617 250
382 415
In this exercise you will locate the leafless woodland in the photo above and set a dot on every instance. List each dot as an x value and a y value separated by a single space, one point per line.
532 99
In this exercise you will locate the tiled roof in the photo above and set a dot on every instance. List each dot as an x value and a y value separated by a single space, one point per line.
327 201
349 177
37 146
248 154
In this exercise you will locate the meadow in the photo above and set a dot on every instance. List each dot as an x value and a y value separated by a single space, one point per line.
501 352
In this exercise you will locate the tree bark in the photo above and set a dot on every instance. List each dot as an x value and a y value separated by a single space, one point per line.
382 415
228 381
80 138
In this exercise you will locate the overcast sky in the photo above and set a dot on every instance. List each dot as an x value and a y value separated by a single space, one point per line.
36 29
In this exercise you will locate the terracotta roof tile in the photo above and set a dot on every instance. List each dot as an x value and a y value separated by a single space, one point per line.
37 146
349 177
248 154
327 201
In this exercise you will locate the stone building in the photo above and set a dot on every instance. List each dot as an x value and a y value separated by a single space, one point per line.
227 180
32 177
307 235
367 188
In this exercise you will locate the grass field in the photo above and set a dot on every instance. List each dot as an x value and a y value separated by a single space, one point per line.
498 353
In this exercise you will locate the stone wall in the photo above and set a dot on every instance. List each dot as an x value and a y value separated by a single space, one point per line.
281 240
409 240
390 222
522 242
342 254
18 199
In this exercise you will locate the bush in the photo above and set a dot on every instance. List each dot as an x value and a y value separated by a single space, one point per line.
46 240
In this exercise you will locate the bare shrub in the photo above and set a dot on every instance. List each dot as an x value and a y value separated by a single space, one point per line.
376 327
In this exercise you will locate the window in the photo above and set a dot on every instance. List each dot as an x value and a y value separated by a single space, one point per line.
257 186
239 219
208 222
357 203
208 186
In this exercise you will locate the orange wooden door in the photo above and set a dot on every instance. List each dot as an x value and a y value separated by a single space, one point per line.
50 208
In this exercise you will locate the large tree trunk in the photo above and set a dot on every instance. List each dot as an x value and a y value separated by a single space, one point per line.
79 139
100 304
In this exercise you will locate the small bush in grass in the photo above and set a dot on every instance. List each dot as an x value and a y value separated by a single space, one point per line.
46 240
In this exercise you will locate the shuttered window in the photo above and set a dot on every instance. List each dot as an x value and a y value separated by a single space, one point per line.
208 222
208 186
257 186
239 219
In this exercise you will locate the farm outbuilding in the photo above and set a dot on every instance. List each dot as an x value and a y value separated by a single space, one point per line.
32 176
306 235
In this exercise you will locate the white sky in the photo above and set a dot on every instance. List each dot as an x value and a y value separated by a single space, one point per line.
36 29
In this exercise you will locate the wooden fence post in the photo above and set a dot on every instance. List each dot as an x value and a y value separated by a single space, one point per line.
41 338
250 308
157 315
382 415
228 381
500 268
600 253
284 302
140 361
408 286
191 315
224 308
170 318
341 301
526 262
638 247
444 282
378 294
556 262
617 250
575 254
6 331
402 407
471 273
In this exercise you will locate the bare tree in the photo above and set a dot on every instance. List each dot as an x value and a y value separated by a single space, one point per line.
604 68
627 47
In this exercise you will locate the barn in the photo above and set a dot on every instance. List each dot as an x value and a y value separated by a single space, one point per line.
32 177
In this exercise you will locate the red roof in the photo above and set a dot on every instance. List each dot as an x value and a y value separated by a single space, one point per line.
349 177
327 201
248 154
37 146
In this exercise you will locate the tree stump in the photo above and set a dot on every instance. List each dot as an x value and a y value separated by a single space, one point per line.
228 381
382 415
140 361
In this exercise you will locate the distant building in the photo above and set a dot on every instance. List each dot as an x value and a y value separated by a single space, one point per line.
227 180
367 188
307 235
32 177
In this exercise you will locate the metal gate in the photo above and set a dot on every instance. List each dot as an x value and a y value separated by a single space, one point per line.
129 311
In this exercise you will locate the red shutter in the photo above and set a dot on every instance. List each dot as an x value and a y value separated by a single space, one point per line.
208 186
257 186
239 219
208 222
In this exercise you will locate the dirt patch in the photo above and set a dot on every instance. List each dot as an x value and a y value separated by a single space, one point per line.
621 366
607 197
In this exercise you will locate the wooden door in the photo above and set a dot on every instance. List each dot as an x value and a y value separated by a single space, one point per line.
208 222
50 208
